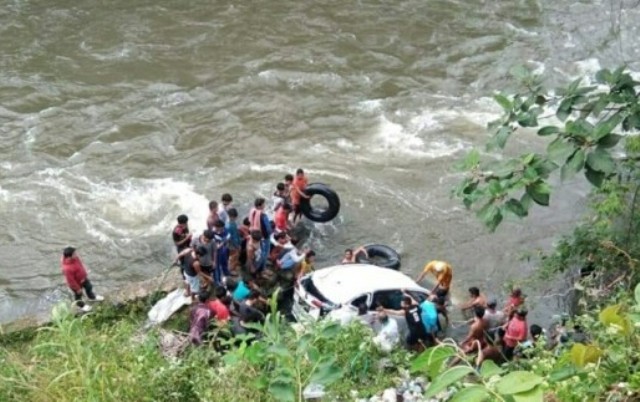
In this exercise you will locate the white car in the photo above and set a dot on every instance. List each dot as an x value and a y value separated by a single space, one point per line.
336 292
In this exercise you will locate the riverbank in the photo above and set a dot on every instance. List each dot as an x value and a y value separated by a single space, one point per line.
132 297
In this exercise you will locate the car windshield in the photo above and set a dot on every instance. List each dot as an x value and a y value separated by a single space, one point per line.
308 285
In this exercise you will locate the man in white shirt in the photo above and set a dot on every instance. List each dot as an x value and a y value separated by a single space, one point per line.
388 336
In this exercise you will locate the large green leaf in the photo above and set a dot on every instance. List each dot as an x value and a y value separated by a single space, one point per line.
326 373
581 354
579 127
544 166
539 192
595 178
442 381
489 369
490 215
431 361
611 316
609 141
503 101
518 381
573 165
515 207
562 373
533 395
548 130
564 109
474 393
601 161
605 127
283 391
559 149
637 293
500 138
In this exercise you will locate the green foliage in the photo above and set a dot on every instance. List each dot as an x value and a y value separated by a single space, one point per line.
78 359
590 123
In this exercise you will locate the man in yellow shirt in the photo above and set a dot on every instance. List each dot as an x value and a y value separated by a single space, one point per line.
443 273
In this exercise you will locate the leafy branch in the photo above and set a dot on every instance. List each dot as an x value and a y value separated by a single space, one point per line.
591 122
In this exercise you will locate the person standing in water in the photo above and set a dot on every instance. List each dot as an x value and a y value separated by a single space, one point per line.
443 273
300 183
76 276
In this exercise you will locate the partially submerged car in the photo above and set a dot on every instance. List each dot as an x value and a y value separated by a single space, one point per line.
337 292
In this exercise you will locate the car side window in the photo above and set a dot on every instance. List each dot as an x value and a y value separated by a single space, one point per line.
359 300
418 296
390 299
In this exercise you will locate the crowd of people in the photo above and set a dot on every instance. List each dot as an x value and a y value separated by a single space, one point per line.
231 267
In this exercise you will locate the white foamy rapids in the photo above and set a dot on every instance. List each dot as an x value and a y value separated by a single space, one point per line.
132 208
413 140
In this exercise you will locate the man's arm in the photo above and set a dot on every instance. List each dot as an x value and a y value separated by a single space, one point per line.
359 250
394 312
424 272
182 254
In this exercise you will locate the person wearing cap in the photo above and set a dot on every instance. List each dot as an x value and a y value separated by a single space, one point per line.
443 273
76 276
515 332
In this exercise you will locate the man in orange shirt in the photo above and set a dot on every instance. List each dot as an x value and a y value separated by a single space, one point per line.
298 186
443 273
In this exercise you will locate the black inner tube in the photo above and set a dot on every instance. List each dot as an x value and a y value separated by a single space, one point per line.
316 214
380 255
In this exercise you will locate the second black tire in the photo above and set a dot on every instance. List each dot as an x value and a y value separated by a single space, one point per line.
380 255
320 215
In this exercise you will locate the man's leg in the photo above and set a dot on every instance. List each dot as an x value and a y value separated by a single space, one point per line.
88 289
78 299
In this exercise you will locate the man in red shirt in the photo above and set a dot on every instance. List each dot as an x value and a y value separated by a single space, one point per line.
220 305
76 277
516 332
281 218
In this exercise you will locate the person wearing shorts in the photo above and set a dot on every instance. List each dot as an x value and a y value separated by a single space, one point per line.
443 273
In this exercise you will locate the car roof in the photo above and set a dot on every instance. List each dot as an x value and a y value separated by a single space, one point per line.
342 283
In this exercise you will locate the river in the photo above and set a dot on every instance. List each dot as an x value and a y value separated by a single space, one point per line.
117 116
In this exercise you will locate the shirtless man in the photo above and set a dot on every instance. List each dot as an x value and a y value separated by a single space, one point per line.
475 336
476 299
443 273
350 255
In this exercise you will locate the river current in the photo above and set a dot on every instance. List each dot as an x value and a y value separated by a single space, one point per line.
117 116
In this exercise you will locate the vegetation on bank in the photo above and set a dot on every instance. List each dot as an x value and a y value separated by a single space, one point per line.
108 356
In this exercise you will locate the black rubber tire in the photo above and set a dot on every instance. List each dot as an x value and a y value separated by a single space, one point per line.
317 215
390 257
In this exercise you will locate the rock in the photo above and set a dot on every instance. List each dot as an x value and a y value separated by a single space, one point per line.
408 396
389 395
313 391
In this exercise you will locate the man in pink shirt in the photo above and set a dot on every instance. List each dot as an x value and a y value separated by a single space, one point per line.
76 277
516 332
